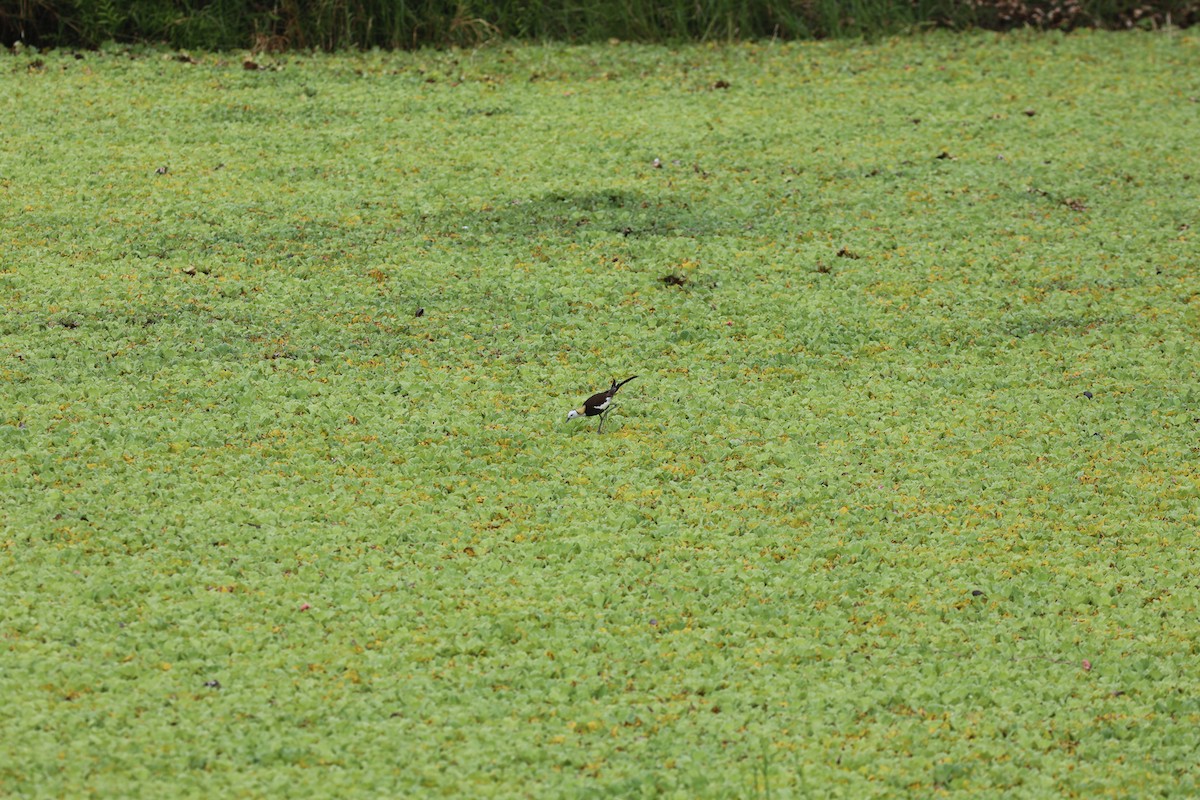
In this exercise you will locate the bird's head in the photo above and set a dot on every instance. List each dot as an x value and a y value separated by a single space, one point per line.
573 413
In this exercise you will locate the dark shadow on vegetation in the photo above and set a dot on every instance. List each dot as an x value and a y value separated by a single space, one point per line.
566 214
1024 325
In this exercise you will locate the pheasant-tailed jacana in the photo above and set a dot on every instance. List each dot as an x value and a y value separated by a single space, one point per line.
599 403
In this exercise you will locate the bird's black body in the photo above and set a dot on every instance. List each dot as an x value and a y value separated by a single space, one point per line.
599 403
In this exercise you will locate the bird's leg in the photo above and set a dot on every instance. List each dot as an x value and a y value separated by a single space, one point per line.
601 426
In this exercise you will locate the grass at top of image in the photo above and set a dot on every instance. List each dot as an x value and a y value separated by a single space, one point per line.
903 502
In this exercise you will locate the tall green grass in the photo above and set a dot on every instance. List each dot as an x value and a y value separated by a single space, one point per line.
392 24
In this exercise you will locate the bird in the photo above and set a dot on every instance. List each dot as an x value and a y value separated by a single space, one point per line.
599 403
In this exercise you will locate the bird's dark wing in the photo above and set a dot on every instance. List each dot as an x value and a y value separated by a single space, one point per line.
597 402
